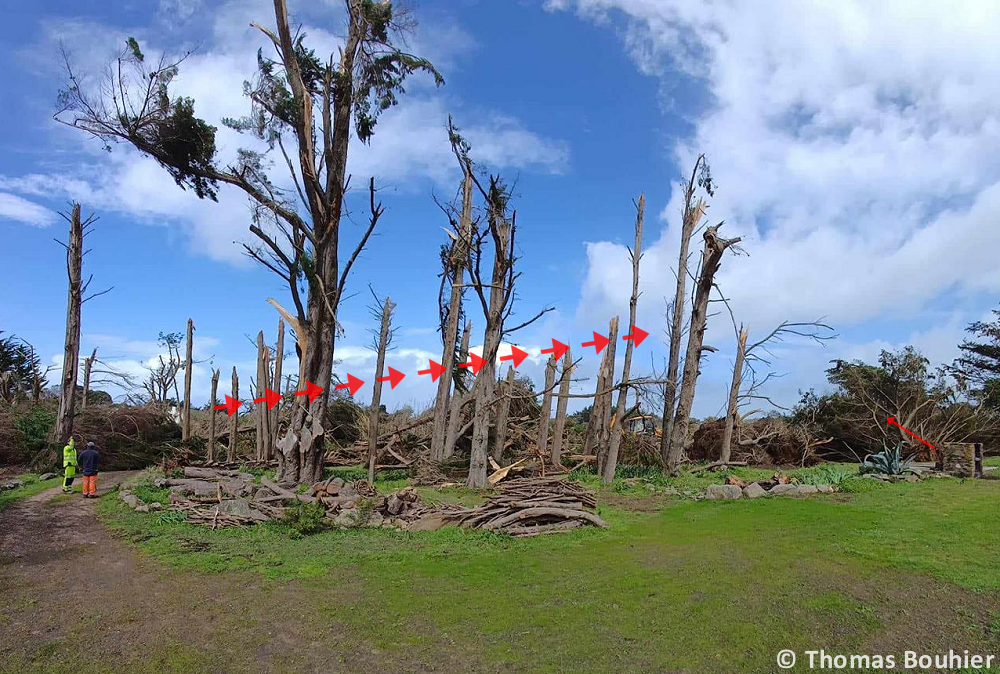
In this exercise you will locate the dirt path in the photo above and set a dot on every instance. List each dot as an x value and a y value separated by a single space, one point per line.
66 583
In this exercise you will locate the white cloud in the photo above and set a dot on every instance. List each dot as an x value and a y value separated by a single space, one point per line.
13 207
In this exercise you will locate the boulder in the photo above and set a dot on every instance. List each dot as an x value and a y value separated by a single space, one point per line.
824 489
46 476
12 484
723 492
375 519
346 518
142 508
913 478
783 489
241 508
131 500
195 487
753 490
394 505
156 505
807 489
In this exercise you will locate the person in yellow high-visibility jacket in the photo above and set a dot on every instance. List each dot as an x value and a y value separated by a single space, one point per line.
69 465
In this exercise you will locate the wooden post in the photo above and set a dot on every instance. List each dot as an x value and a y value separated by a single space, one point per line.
455 413
279 356
233 426
88 364
734 397
560 425
71 351
546 413
211 418
188 366
383 343
505 391
615 439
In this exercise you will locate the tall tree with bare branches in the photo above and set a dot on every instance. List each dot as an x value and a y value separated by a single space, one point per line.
303 107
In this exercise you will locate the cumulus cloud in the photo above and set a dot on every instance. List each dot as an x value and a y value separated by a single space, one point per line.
19 209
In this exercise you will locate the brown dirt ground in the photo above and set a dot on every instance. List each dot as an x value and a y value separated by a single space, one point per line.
75 599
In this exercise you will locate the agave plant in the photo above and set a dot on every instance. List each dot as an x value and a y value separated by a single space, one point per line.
887 462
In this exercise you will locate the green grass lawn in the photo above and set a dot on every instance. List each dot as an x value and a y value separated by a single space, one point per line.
31 487
692 586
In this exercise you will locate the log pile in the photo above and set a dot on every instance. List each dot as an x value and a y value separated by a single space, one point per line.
533 506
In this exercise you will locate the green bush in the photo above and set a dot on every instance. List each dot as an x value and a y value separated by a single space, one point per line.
887 462
305 518
832 475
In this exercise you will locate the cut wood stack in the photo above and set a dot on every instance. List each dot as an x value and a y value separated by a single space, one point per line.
533 506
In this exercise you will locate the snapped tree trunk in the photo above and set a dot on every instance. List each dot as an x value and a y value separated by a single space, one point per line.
188 367
457 262
689 220
455 414
279 356
732 407
601 410
504 392
560 426
71 351
546 412
375 413
711 259
233 421
211 416
263 414
88 365
615 439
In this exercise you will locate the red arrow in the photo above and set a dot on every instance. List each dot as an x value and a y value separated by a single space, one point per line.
600 341
557 350
434 370
394 377
352 385
232 404
892 421
311 390
272 398
637 335
475 362
516 355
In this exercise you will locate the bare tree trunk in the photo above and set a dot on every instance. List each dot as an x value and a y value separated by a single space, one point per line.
734 396
36 379
607 420
71 352
692 214
212 413
560 425
546 413
188 366
233 426
711 259
602 397
457 262
504 392
276 413
383 343
455 414
608 472
88 365
263 414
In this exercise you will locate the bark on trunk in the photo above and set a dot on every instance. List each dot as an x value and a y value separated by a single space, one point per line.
458 261
263 414
71 352
188 366
279 356
211 416
711 257
503 416
233 421
615 440
546 413
88 365
734 395
560 425
455 414
383 342
692 214
602 397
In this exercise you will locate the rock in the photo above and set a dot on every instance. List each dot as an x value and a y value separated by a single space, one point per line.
13 484
429 522
824 489
161 482
241 508
236 487
753 490
337 482
131 500
783 489
346 518
877 476
142 508
375 519
723 492
196 487
156 505
347 490
394 505
912 478
46 476
806 489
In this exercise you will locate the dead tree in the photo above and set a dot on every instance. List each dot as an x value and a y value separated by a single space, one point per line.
546 412
211 416
505 392
263 414
615 440
279 356
305 109
711 259
233 421
88 366
459 396
163 376
455 264
560 425
384 338
693 212
78 229
188 368
734 392
600 413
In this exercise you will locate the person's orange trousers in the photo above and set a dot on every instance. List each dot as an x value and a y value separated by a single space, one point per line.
90 485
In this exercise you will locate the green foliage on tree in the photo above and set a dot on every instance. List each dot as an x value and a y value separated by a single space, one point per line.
979 363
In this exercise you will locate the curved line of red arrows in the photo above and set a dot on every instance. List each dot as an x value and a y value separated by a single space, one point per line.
272 398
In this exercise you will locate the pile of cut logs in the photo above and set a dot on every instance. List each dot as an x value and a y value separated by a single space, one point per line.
533 506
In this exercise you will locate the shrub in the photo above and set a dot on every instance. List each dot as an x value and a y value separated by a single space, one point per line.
887 462
833 475
859 485
305 518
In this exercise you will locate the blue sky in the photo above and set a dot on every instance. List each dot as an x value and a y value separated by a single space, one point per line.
857 159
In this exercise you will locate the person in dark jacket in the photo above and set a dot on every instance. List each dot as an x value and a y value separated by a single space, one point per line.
88 461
